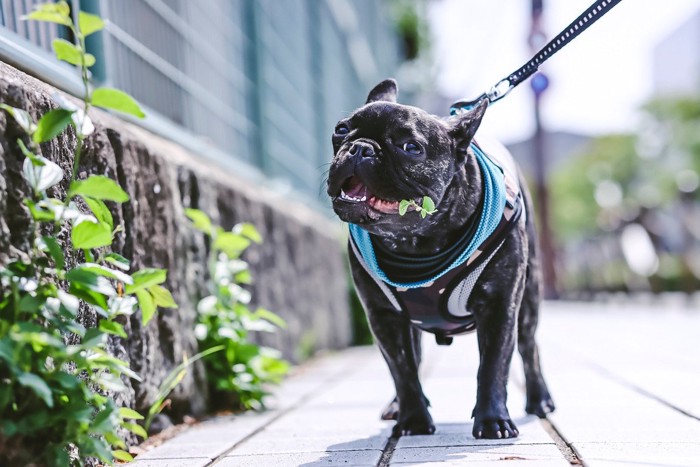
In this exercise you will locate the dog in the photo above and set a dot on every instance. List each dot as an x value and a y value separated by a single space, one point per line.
470 265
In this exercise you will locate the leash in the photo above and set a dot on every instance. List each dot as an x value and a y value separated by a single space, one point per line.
501 89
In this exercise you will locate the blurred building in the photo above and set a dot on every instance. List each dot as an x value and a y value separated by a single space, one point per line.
676 60
257 85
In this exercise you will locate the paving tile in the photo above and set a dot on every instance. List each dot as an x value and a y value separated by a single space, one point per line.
177 450
466 454
189 462
510 462
305 459
625 454
460 434
342 420
270 442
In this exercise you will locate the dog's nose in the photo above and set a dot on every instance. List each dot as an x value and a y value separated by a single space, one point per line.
362 149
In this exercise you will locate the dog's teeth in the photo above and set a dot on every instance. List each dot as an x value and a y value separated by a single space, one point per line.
364 198
343 194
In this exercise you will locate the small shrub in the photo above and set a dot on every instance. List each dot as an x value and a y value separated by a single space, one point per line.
243 369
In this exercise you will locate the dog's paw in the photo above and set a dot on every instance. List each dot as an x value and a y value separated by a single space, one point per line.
540 406
415 426
494 429
391 412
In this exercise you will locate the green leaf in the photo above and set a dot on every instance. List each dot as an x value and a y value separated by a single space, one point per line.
147 305
428 204
118 261
249 231
22 117
200 220
98 187
112 327
37 385
68 52
135 429
55 251
146 278
423 213
403 206
41 177
100 210
230 243
126 412
49 16
89 23
89 234
273 318
89 280
51 124
38 213
115 99
106 272
162 297
121 455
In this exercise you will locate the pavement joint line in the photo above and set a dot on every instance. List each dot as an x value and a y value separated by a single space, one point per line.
302 400
388 451
567 449
640 390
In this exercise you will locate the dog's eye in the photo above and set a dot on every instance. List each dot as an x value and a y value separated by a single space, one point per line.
412 148
342 129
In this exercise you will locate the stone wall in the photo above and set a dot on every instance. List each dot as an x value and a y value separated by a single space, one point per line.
299 270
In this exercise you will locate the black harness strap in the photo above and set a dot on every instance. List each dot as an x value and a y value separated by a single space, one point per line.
504 86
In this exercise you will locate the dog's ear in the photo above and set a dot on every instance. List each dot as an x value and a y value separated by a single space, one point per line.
464 126
387 91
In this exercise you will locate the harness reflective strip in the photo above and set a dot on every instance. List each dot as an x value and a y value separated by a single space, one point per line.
380 283
459 297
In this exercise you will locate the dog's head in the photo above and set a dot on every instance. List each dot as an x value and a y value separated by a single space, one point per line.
387 152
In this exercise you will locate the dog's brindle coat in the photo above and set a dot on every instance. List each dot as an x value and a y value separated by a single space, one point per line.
372 158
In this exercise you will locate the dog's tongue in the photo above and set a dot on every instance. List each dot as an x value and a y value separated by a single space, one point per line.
354 187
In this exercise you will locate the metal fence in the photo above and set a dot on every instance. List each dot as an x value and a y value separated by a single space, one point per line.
263 81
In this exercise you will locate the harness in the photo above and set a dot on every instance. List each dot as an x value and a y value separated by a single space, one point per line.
433 291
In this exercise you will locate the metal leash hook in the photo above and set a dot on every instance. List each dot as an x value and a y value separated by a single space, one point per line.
503 87
497 92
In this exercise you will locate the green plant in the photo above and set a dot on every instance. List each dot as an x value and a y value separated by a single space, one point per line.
427 208
55 375
171 381
243 368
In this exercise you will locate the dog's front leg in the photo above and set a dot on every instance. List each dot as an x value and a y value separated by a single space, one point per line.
496 335
396 341
496 312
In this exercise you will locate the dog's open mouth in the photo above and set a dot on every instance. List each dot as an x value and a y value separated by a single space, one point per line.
354 191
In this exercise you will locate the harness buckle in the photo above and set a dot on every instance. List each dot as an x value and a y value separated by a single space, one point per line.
442 339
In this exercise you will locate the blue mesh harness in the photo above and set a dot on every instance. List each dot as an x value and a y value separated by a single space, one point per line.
438 303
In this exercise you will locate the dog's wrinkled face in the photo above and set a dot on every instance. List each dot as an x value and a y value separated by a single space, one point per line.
387 152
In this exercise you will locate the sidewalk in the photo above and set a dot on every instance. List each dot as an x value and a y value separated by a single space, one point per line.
625 378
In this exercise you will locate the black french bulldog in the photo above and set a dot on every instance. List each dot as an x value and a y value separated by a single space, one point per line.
385 153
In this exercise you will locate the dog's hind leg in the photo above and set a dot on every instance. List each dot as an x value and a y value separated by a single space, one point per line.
539 402
391 412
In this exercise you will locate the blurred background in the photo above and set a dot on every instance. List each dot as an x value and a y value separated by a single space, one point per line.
608 134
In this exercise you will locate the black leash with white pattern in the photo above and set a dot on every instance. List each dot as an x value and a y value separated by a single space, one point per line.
503 87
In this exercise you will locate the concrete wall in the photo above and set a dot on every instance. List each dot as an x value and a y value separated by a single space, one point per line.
299 270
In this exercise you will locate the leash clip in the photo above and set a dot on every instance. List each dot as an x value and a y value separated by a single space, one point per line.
497 92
